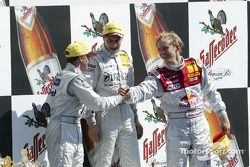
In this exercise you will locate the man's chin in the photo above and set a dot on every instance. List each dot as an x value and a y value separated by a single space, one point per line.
114 51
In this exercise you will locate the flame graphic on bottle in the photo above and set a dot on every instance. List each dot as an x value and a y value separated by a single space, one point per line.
149 25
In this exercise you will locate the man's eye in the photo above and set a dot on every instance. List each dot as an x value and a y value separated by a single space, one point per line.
113 41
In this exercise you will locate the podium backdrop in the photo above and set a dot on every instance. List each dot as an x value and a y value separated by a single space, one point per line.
225 54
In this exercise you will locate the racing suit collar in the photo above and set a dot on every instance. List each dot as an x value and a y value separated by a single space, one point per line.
175 67
108 53
72 68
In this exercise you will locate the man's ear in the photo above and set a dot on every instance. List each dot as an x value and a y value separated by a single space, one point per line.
80 58
179 48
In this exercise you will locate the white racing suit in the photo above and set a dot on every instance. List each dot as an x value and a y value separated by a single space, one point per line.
70 93
182 90
107 74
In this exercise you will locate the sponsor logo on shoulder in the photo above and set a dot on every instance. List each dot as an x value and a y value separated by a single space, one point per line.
57 82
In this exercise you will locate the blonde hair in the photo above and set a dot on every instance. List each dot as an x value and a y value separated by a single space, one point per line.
170 37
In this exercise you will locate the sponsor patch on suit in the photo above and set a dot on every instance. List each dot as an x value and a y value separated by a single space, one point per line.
125 60
57 82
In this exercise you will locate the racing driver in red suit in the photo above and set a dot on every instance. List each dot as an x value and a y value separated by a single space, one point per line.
182 86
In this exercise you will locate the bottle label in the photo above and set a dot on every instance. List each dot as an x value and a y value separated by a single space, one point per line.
25 16
2 3
42 74
145 13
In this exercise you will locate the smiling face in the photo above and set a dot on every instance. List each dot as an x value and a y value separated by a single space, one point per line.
169 47
167 51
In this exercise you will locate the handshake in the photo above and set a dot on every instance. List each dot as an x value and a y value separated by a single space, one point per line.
125 93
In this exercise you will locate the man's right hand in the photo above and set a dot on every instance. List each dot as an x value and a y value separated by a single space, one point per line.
124 92
93 132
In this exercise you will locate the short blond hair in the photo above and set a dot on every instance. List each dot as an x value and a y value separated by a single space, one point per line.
170 37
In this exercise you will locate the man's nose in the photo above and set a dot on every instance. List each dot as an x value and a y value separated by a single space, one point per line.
162 51
114 43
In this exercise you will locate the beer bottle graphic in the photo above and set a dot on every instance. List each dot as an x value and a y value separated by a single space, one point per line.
149 25
213 120
37 50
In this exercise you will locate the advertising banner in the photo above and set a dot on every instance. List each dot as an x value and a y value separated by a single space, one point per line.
152 145
34 52
217 36
36 49
37 54
29 128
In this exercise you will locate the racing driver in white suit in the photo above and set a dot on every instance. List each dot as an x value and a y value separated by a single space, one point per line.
109 69
71 93
182 85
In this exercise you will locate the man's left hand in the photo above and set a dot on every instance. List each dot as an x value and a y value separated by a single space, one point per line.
139 129
225 124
